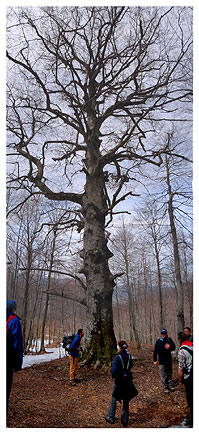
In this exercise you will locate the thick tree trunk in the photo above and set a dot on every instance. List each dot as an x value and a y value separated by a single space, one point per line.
99 335
100 342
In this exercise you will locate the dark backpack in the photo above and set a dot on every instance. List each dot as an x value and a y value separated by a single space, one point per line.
126 373
67 341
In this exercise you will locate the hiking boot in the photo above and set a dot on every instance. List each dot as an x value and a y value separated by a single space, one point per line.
109 419
188 422
72 383
124 423
166 391
171 388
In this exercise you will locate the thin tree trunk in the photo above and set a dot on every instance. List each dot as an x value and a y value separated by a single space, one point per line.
25 298
152 311
31 332
180 291
136 322
159 283
146 328
189 288
47 292
118 312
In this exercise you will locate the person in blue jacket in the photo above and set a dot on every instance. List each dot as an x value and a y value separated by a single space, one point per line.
14 344
74 356
163 348
123 387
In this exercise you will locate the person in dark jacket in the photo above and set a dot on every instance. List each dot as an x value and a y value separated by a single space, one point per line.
74 356
14 344
122 390
163 348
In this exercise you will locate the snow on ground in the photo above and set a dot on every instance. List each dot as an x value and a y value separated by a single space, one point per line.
51 354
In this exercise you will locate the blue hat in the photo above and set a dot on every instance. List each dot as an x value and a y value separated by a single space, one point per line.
163 331
11 306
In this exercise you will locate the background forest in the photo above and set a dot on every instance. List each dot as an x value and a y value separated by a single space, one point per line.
99 196
43 264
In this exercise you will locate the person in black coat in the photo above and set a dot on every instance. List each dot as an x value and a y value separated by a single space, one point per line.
124 389
163 347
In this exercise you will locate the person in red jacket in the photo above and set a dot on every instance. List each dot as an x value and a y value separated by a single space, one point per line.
185 371
14 344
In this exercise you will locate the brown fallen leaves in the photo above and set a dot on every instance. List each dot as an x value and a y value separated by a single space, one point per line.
42 397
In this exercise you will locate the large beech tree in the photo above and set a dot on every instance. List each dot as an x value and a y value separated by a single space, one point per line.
87 88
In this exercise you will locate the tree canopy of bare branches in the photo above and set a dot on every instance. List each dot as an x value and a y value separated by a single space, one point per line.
86 88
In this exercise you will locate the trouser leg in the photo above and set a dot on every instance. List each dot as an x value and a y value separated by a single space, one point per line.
76 366
73 367
112 408
163 376
189 395
125 413
9 379
169 375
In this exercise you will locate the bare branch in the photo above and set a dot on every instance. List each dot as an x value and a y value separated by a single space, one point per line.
73 276
67 297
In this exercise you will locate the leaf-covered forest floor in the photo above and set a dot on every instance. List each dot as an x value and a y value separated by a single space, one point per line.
41 397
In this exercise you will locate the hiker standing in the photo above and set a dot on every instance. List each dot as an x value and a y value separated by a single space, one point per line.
74 356
14 344
188 333
185 371
163 347
124 389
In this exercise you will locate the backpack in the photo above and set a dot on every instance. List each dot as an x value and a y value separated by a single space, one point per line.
188 370
67 341
125 371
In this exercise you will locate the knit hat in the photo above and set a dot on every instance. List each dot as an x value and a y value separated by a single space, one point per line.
10 306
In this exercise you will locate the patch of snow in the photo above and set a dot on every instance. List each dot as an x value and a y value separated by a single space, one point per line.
51 354
36 344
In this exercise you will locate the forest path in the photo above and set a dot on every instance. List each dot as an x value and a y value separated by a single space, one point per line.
42 397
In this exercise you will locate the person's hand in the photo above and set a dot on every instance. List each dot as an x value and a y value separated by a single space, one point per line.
155 363
167 346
